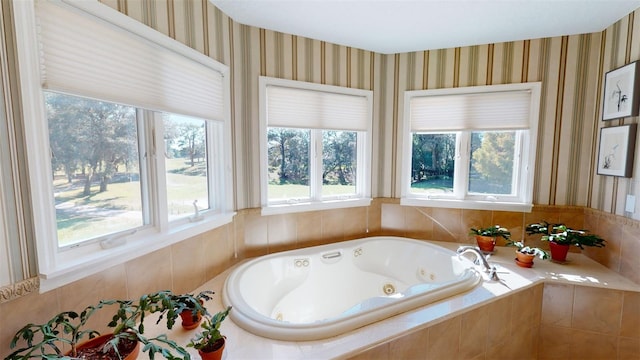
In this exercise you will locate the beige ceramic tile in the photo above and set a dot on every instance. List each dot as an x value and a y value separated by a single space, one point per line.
629 250
189 264
411 346
448 225
588 345
392 219
281 232
380 352
554 342
628 349
105 285
596 309
256 241
477 218
149 273
309 228
557 304
630 325
219 250
355 222
333 225
33 308
474 329
418 223
444 340
500 324
608 256
572 217
525 308
514 221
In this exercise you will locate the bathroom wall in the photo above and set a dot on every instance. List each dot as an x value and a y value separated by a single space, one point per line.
571 69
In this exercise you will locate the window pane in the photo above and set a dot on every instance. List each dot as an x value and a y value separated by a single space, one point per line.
96 170
433 163
339 160
288 163
186 165
491 166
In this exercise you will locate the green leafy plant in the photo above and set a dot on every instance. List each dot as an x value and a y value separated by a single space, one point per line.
529 250
561 234
191 302
64 328
492 231
67 329
210 338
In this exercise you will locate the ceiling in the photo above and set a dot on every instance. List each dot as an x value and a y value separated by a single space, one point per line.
396 26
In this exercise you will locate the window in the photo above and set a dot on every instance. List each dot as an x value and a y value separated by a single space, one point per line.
316 145
471 147
129 142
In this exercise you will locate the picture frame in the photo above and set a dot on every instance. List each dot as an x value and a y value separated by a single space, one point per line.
621 95
616 150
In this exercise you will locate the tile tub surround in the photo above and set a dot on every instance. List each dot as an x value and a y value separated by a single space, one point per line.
446 324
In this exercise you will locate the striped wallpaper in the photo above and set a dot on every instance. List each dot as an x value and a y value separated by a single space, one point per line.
571 69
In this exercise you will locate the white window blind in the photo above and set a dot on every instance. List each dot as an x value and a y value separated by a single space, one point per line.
87 56
504 110
294 108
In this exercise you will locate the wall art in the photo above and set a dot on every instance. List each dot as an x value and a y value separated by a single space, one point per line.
621 96
617 147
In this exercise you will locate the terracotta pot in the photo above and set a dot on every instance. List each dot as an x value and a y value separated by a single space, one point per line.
558 251
187 319
215 354
524 260
98 341
486 243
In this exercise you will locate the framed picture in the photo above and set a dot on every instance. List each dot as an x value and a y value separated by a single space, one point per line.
621 96
617 146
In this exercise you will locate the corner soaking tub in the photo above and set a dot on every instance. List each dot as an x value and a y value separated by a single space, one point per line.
323 291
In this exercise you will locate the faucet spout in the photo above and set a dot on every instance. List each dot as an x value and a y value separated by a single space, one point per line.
479 256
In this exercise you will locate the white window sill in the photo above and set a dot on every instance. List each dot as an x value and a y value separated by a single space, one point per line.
127 248
313 206
467 204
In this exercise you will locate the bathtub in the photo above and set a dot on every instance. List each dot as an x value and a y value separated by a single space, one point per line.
323 291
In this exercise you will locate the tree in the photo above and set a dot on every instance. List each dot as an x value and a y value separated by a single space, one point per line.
191 140
91 134
289 155
339 157
433 155
493 160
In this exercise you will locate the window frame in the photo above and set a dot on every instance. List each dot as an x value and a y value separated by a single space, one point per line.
57 267
525 156
362 197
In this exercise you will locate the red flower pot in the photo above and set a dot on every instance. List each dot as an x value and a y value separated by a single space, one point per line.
558 251
93 346
486 243
215 354
524 260
188 322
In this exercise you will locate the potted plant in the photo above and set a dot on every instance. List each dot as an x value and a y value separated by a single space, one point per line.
191 311
486 237
210 343
560 237
526 254
67 329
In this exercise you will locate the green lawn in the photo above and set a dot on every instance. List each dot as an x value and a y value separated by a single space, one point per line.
288 191
82 217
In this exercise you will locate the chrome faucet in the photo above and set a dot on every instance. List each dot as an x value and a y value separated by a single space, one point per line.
480 258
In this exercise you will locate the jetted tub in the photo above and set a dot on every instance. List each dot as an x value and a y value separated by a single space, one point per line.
323 291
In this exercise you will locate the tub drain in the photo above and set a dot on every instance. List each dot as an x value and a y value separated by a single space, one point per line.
388 289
